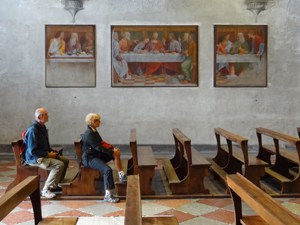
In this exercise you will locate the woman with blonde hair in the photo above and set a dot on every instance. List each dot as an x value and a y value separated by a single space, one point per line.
96 153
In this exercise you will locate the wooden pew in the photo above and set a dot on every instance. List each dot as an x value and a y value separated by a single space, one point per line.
268 210
143 163
88 181
285 159
23 170
231 158
30 186
187 169
133 209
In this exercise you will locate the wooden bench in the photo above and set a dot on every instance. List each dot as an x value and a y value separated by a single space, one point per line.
285 159
143 163
268 210
231 159
187 169
30 186
88 181
22 169
133 208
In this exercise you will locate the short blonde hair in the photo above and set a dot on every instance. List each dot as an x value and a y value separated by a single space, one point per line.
91 117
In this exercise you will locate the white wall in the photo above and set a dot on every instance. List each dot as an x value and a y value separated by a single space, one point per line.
153 111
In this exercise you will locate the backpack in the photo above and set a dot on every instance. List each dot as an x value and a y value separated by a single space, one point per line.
23 147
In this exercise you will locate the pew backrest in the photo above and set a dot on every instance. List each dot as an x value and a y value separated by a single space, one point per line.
30 186
263 204
133 209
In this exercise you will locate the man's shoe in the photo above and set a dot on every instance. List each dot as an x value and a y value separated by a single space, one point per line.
48 194
111 198
123 179
56 189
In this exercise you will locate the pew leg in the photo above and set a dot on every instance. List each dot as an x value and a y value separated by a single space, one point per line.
146 175
237 203
36 205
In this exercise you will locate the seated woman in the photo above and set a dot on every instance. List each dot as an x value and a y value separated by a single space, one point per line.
96 153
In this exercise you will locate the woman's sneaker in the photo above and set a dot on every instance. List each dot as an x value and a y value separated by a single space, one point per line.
111 198
48 194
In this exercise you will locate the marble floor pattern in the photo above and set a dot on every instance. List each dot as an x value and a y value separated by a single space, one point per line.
208 211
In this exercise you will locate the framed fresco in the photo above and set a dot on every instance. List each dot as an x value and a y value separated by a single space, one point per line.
240 55
154 56
70 56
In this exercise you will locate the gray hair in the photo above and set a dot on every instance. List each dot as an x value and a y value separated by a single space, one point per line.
39 112
91 117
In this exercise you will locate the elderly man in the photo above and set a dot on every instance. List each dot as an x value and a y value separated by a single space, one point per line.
38 153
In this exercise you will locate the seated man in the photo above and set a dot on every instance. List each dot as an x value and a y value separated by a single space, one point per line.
96 153
38 153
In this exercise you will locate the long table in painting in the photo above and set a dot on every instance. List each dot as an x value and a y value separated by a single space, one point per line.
152 57
249 58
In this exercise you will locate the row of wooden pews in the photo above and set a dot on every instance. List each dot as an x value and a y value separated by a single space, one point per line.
187 169
233 157
285 167
30 186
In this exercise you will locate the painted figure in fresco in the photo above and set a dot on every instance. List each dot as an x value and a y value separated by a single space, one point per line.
125 43
140 47
174 46
190 60
119 64
154 46
138 67
74 46
257 45
240 47
88 43
57 44
224 47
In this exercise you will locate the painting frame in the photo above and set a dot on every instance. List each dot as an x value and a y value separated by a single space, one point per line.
240 55
158 61
70 56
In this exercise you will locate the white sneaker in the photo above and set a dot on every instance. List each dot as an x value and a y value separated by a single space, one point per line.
48 194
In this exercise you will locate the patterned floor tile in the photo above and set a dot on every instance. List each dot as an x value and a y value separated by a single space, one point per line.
202 220
221 215
101 208
17 217
196 209
78 204
220 203
76 213
173 203
293 207
149 208
181 216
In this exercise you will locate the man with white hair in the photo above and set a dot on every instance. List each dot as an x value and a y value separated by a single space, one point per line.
39 153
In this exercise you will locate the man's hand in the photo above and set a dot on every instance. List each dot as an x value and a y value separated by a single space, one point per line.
52 155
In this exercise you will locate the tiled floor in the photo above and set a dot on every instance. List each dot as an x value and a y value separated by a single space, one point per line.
208 211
